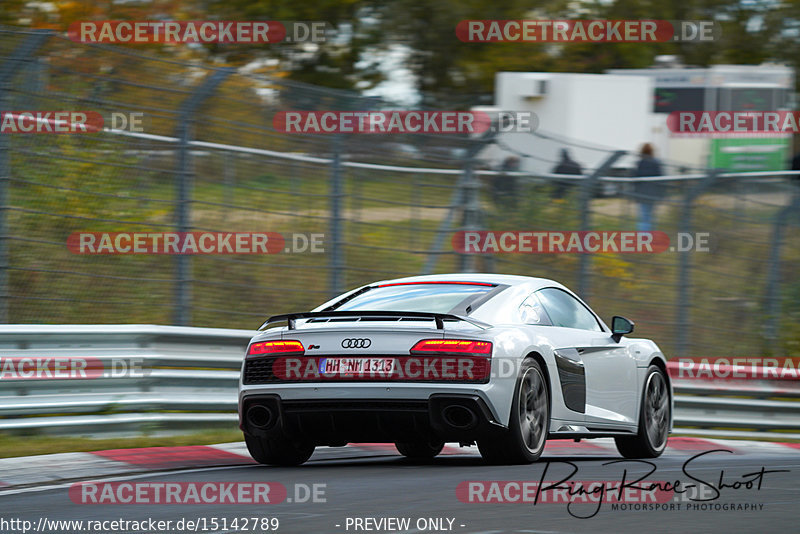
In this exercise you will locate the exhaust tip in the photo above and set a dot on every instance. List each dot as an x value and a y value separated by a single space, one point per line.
260 416
460 417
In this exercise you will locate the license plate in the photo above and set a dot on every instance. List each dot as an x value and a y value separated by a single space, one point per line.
356 366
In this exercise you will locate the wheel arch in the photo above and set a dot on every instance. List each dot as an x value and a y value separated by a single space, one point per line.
538 358
659 361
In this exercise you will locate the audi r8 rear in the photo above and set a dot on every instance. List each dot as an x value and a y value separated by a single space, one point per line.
502 361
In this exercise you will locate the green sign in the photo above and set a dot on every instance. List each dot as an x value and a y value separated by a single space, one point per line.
750 154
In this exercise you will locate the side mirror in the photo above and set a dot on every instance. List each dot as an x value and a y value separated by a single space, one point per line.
619 327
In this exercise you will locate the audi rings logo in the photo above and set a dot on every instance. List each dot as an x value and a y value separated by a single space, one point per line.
356 343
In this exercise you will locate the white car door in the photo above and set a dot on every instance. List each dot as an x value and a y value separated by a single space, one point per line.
609 370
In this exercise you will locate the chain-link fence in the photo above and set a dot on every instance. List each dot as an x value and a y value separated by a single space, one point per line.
388 205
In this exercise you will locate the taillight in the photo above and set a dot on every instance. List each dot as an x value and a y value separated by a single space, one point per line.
452 346
276 347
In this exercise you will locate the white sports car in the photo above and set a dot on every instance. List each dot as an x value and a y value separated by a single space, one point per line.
502 361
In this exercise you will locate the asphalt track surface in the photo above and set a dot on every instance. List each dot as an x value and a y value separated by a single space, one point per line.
379 483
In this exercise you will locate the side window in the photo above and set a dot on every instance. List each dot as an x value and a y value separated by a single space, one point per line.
565 310
531 312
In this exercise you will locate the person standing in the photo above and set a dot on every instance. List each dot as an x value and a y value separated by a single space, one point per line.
567 165
504 185
647 192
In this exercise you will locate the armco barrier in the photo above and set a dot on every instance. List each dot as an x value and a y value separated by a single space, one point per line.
735 401
186 378
158 378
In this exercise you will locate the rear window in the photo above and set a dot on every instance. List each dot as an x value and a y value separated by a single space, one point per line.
417 297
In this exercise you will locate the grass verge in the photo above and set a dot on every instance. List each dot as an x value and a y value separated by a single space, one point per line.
14 446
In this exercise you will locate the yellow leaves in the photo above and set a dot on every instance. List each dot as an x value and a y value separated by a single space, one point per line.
67 12
616 267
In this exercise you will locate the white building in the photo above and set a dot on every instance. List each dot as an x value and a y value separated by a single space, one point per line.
596 110
625 108
720 88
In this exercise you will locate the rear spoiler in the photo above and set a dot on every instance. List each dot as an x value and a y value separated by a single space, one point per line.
440 318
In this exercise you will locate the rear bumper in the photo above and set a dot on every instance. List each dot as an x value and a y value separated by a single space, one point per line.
461 417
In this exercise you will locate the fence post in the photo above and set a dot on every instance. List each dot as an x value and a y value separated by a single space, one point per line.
21 54
466 198
471 210
772 295
183 191
588 186
229 175
489 260
445 227
414 212
334 240
682 320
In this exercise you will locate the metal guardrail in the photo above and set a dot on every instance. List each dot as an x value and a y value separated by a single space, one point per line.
151 379
186 379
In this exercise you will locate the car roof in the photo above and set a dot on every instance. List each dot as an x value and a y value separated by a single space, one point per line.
523 284
504 279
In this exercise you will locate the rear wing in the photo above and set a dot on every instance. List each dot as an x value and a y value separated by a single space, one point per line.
440 318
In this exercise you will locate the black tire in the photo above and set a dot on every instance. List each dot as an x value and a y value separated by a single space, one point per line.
529 423
419 450
281 451
654 418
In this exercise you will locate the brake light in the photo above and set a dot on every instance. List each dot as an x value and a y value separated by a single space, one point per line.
438 282
273 347
451 346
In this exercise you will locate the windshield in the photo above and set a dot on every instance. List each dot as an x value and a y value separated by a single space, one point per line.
418 297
